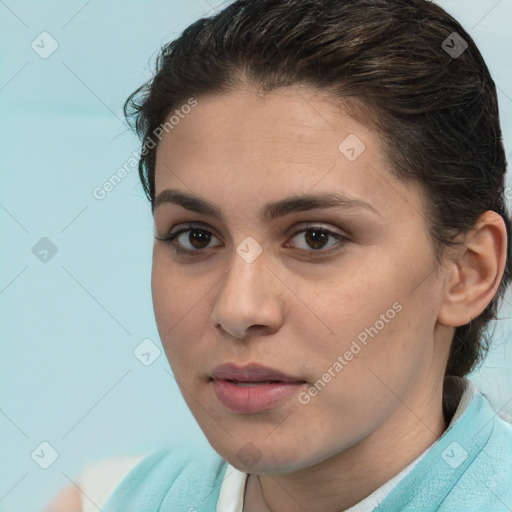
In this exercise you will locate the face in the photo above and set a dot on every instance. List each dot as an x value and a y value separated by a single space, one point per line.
291 323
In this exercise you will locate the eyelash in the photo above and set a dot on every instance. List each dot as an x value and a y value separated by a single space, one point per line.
171 239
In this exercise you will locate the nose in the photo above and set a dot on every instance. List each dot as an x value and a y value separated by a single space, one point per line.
248 300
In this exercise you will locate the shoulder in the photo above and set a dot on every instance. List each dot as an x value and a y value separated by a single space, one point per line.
99 479
487 481
170 478
468 468
94 485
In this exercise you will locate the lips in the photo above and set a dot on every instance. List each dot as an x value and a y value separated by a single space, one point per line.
250 373
252 388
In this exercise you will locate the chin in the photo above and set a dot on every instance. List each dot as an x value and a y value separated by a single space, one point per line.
265 456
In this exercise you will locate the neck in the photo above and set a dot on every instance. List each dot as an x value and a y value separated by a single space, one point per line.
348 477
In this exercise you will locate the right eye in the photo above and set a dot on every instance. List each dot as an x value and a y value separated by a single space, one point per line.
189 240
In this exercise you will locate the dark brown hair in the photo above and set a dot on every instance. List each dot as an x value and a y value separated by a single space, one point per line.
436 111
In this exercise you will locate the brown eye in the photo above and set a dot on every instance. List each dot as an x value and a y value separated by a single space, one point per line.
199 238
316 239
319 239
192 239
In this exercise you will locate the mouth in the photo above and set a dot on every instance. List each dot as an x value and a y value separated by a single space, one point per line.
248 384
252 388
253 372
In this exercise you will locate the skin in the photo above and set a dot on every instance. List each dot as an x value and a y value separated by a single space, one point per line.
297 313
68 500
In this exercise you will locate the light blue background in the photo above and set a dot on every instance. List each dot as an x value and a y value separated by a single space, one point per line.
69 326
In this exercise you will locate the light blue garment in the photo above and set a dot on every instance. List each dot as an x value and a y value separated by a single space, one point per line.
468 469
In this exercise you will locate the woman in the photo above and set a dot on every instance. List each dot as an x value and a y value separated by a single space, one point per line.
331 239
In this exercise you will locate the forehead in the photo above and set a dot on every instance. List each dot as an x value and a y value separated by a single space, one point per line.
294 121
290 140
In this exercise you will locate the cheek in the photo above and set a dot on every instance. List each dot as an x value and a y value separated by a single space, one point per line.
174 294
172 304
346 307
182 308
375 320
378 353
164 290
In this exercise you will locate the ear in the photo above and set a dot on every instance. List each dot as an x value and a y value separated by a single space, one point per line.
475 273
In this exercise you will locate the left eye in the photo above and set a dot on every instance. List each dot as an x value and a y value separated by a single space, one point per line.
318 238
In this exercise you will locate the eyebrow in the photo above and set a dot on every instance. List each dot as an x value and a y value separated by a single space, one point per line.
271 211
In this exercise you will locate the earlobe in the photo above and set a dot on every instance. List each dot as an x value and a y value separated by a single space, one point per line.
476 272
